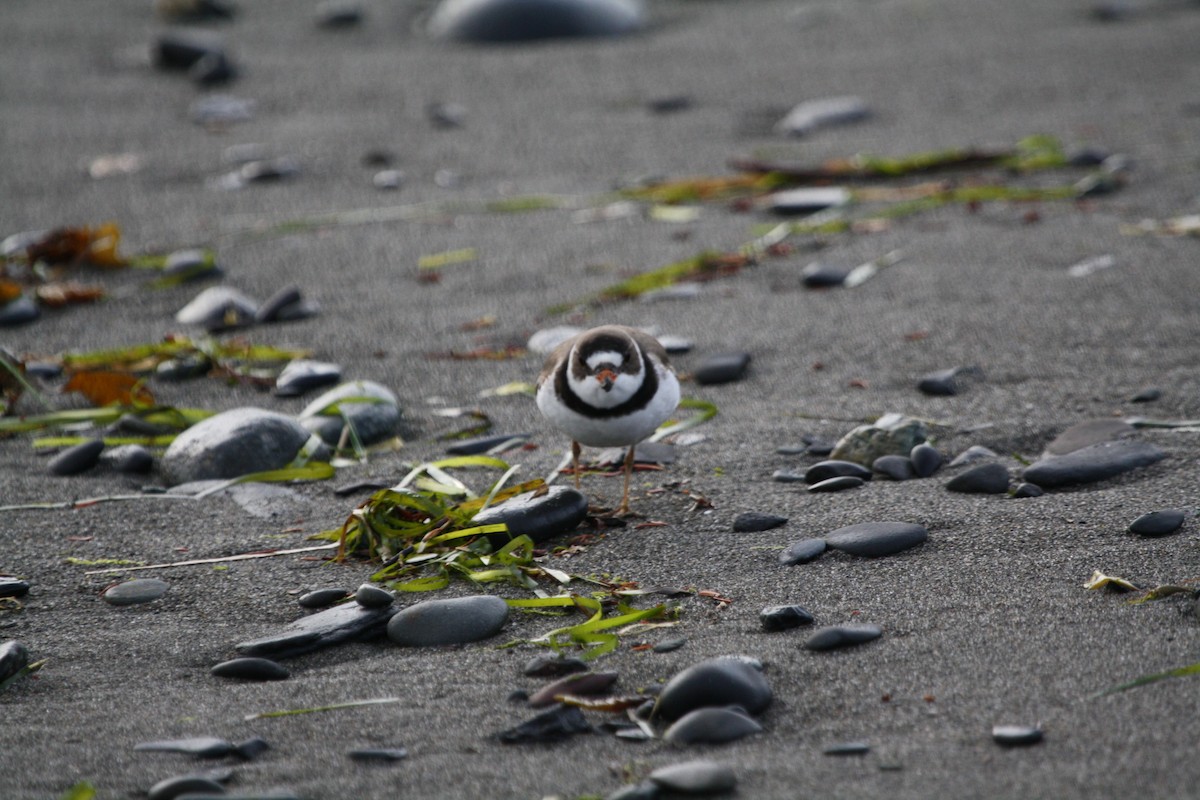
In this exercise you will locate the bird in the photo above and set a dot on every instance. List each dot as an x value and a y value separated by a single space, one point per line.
609 386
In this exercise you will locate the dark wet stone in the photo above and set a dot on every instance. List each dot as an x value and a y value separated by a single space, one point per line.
14 657
711 726
76 459
1157 523
454 620
646 790
191 265
973 455
786 476
371 408
558 511
926 460
251 748
212 69
676 345
809 200
470 447
13 587
1016 735
695 777
836 484
783 618
802 552
1026 489
835 636
941 383
670 104
722 368
824 470
752 521
1094 463
302 376
811 115
18 312
337 14
547 666
984 479
132 459
182 369
218 308
1148 394
722 681
823 275
898 468
195 10
549 726
180 50
525 20
172 788
847 749
286 305
670 645
582 683
233 443
875 539
378 755
348 622
251 669
135 592
199 746
1088 433
369 596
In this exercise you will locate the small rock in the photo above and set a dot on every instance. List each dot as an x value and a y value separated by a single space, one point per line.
802 552
286 305
809 200
940 383
695 777
221 111
446 115
131 459
13 587
580 683
191 265
233 443
835 636
811 115
388 179
711 726
378 755
18 312
898 468
528 20
348 622
543 517
722 368
786 476
984 479
544 341
371 408
1085 434
547 666
753 521
549 726
847 749
77 458
251 748
171 788
14 657
876 539
973 455
716 682
199 747
369 596
135 592
646 790
482 444
1096 462
218 308
926 460
321 598
836 484
823 275
251 669
302 375
1148 394
454 620
670 645
1016 735
783 618
1157 523
337 14
824 470
1025 489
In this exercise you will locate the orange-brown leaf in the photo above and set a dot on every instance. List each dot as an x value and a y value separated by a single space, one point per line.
9 291
62 293
103 388
94 245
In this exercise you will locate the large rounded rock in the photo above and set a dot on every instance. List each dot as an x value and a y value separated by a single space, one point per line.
891 434
456 620
538 516
875 539
524 20
722 681
1093 463
370 408
233 443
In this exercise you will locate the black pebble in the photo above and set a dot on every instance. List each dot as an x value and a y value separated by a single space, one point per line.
251 748
802 552
385 755
939 384
1157 523
1016 735
985 479
926 459
836 484
753 521
77 459
1147 395
369 596
847 749
13 587
668 645
782 618
322 598
1028 490
251 669
898 468
836 636
824 470
549 726
546 666
722 368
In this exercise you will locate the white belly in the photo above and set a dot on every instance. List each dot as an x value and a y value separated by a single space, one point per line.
615 431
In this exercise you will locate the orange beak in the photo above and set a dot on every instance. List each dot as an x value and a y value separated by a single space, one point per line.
607 378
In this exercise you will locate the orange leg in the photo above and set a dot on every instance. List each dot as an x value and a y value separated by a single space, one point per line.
624 507
575 450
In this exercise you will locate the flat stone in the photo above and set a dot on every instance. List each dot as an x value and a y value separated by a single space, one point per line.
172 788
783 618
1147 394
812 115
984 479
722 368
13 587
847 749
370 408
251 669
786 476
1085 434
891 434
802 552
823 275
670 645
384 755
926 459
941 383
836 484
267 500
219 308
547 666
580 683
135 592
233 443
131 459
455 620
724 681
754 521
1093 463
1157 523
77 458
808 200
19 311
303 375
191 265
646 790
199 746
288 303
836 636
1025 489
552 725
973 455
711 726
875 539
349 622
695 777
898 468
14 657
540 517
369 596
1017 735
526 20
321 598
824 470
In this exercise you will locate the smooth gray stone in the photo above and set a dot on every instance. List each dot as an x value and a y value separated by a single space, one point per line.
287 304
481 444
191 265
802 552
369 596
580 683
722 368
526 20
1016 735
670 645
875 539
547 666
336 14
13 587
898 468
303 375
783 618
835 636
1147 394
823 275
824 470
135 592
218 308
711 726
455 620
811 115
384 755
349 622
183 369
984 479
233 443
847 749
926 459
131 459
551 725
251 748
808 200
1157 523
540 518
1093 463
251 669
321 598
890 434
77 458
181 49
18 312
836 484
723 681
372 409
14 657
646 790
754 521
199 746
973 455
695 777
172 788
1085 434
939 384
1028 490
786 476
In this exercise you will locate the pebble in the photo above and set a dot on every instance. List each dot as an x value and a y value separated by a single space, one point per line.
581 683
847 749
835 636
1148 394
823 275
348 622
811 115
786 476
251 748
552 725
670 645
388 179
941 383
385 755
77 458
371 408
191 265
898 468
1096 462
1157 523
370 596
926 459
455 620
695 777
836 484
302 375
783 618
753 521
233 443
1025 489
1017 735
711 726
218 308
875 539
547 666
181 50
559 511
526 20
973 455
18 312
131 459
135 592
199 747
802 552
14 657
171 788
251 669
336 14
13 587
182 369
722 368
890 434
723 681
983 479
646 790
286 305
824 470
809 200
482 444
266 170
1085 434
446 115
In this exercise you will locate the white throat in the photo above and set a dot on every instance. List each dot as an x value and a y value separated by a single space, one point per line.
591 390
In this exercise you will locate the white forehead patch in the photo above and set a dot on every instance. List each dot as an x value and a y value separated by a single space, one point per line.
604 357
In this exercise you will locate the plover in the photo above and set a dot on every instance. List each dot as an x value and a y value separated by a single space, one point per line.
610 386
